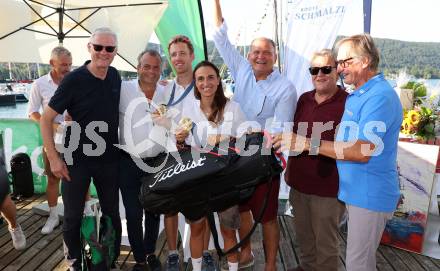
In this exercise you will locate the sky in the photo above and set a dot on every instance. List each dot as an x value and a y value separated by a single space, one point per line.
407 20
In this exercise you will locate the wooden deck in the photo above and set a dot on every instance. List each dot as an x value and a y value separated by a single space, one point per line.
46 252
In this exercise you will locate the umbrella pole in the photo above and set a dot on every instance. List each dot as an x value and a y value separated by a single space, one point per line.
60 34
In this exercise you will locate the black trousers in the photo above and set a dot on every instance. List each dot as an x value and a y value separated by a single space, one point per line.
105 178
142 243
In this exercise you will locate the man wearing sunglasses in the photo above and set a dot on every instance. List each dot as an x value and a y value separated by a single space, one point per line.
365 149
91 96
314 179
269 99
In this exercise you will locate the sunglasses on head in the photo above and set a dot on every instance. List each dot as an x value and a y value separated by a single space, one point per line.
108 49
324 70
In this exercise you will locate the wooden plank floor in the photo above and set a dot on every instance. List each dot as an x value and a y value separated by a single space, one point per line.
45 252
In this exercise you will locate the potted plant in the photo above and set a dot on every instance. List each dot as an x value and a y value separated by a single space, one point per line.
418 89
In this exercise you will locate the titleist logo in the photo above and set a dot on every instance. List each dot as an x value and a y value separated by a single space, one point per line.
175 170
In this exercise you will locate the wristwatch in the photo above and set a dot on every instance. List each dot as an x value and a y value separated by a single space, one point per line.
315 143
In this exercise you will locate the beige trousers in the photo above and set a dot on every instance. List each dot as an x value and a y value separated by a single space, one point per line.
365 228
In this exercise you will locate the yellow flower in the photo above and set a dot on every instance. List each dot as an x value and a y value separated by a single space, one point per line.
413 116
406 126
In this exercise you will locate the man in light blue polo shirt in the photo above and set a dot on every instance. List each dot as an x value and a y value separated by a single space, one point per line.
269 99
365 149
368 186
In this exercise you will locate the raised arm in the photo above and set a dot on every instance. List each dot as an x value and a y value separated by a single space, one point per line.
230 55
218 17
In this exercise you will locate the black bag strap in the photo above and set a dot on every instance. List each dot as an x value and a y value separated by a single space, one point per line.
214 232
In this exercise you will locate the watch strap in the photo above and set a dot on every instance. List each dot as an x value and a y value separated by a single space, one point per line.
315 143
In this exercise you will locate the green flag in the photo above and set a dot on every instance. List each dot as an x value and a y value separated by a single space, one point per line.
183 18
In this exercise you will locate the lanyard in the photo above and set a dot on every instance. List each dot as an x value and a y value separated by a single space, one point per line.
187 90
195 135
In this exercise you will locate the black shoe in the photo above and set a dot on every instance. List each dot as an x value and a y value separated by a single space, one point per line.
139 267
154 263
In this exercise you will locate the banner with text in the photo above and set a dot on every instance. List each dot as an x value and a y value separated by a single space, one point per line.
312 26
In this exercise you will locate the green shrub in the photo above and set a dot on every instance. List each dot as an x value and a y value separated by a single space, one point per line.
419 90
408 85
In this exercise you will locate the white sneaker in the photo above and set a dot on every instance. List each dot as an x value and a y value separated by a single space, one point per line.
51 223
18 238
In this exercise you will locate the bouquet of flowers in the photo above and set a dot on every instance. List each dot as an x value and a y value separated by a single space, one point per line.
420 121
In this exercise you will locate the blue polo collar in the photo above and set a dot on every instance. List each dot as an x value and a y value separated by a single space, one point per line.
368 85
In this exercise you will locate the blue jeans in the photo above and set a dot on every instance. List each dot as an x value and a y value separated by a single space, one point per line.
105 178
141 243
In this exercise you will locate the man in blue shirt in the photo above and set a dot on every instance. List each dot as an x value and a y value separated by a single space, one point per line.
269 99
365 149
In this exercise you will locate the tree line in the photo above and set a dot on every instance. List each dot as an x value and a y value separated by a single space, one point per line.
419 59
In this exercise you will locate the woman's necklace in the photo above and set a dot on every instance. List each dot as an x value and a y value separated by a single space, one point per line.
206 112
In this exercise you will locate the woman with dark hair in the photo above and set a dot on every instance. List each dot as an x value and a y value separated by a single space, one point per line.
215 119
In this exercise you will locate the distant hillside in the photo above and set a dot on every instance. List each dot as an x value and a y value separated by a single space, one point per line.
420 59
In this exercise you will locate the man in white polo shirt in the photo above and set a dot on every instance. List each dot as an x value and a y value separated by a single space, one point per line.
42 90
140 143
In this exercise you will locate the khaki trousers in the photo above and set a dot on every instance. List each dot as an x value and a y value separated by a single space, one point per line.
316 224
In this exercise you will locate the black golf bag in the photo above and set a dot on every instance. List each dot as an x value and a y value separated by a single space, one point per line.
203 182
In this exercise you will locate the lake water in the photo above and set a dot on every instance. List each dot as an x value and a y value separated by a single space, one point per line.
20 110
432 84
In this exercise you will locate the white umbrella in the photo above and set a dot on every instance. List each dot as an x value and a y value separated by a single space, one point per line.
30 29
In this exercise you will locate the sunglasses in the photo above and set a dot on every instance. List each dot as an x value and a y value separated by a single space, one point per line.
324 70
108 49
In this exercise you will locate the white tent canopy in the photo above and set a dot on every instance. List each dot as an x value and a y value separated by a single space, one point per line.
30 29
